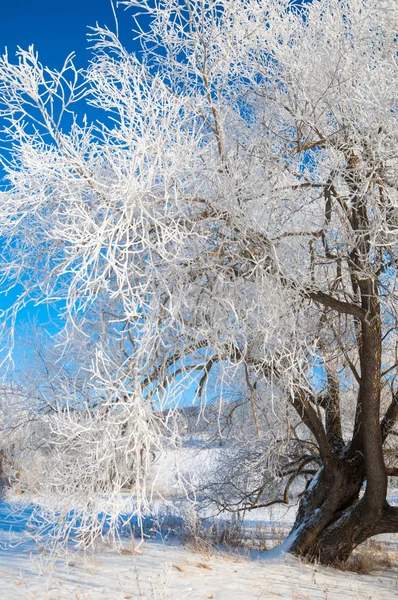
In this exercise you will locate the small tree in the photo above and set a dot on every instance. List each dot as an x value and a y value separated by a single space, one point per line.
234 217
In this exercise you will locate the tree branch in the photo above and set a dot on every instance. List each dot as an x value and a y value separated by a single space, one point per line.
308 415
390 417
338 305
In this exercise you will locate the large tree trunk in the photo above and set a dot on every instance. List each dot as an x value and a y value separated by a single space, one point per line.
332 520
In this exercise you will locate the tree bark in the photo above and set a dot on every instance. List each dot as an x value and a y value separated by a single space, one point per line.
332 519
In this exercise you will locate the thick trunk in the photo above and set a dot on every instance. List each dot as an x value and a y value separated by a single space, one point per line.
331 520
342 534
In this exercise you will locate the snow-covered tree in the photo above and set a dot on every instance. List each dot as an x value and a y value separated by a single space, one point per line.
231 215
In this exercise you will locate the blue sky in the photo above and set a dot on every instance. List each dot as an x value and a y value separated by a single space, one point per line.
58 27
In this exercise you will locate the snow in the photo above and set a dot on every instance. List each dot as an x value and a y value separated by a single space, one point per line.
160 571
170 571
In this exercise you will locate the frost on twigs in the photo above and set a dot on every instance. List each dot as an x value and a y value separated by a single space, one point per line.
218 224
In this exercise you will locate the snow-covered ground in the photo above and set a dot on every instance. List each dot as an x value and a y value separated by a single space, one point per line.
172 572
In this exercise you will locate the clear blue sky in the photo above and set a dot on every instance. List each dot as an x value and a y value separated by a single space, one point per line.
58 27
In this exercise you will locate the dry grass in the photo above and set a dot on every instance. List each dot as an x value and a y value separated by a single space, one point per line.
206 536
368 558
201 565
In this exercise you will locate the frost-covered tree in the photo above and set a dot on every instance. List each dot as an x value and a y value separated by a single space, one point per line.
231 215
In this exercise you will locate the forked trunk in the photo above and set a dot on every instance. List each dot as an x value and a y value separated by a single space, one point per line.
332 521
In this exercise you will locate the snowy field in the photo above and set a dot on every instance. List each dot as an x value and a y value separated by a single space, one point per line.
171 571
